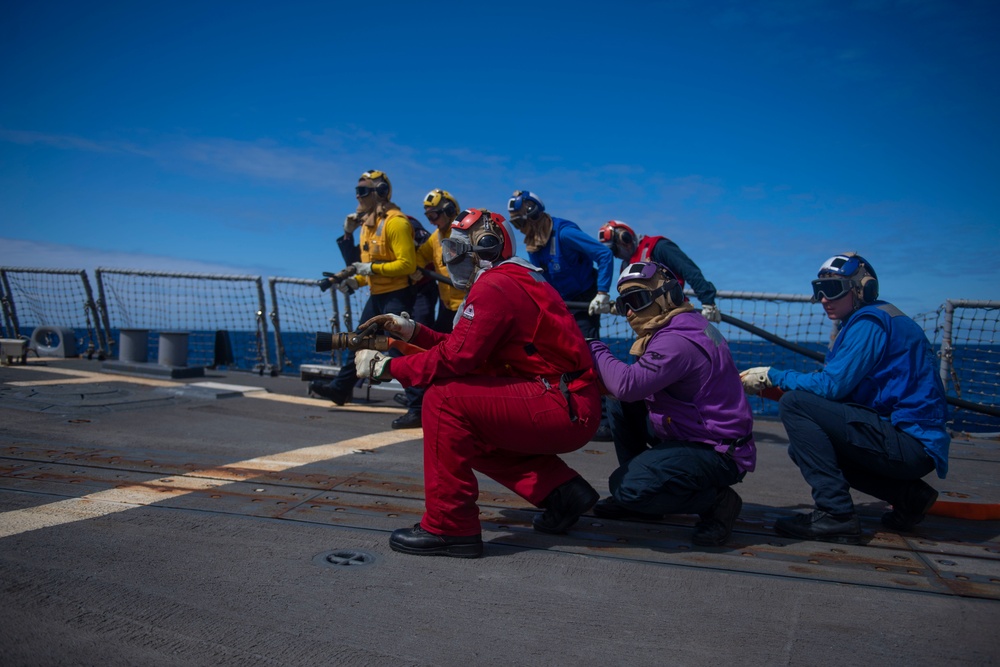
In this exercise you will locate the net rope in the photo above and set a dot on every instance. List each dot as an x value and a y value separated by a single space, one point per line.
966 335
299 309
35 298
211 309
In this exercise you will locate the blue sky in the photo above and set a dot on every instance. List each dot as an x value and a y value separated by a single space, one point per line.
762 137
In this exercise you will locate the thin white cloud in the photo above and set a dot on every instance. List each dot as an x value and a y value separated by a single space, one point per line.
68 142
258 160
21 253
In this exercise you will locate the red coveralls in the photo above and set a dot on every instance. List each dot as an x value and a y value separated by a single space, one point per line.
493 402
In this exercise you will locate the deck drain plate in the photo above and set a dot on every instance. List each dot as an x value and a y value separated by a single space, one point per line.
342 558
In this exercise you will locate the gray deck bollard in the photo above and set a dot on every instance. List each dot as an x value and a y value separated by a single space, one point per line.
173 348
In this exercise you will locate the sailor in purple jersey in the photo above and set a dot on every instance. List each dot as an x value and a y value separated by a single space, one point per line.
682 426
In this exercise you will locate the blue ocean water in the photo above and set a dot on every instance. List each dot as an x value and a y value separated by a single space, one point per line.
978 375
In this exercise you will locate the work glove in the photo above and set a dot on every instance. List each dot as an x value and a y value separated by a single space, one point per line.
347 286
363 268
755 380
711 313
351 222
372 364
600 304
401 326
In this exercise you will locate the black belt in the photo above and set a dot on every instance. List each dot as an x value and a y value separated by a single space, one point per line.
564 381
733 443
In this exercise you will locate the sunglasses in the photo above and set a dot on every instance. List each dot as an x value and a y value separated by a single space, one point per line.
831 289
363 190
640 299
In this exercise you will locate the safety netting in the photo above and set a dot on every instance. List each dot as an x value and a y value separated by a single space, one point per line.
966 334
36 297
225 318
223 315
300 309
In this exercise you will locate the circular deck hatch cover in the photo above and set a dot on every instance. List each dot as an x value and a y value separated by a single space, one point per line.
344 558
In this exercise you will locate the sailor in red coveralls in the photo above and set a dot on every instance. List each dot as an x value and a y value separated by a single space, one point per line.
508 390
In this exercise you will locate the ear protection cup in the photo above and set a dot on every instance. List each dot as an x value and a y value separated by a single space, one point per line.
382 189
869 284
676 293
531 210
489 246
449 209
625 237
869 290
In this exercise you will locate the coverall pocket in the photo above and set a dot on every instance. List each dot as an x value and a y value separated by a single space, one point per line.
867 431
548 404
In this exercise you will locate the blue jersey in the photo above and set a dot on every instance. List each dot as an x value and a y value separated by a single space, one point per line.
568 261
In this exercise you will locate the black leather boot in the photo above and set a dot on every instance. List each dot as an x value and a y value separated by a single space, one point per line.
409 420
564 506
716 524
419 542
324 390
917 500
819 525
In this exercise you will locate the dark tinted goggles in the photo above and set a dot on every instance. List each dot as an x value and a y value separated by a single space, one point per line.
639 299
518 222
831 289
363 190
432 214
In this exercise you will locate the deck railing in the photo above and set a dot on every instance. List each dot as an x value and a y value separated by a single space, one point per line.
763 329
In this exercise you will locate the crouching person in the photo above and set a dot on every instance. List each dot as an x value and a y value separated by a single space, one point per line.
872 419
682 426
507 391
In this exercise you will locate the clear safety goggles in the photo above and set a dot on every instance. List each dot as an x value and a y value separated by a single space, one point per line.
454 249
831 289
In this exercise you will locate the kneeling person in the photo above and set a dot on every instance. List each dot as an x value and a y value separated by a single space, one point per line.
682 426
510 388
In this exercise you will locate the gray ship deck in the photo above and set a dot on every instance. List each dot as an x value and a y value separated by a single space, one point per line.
148 521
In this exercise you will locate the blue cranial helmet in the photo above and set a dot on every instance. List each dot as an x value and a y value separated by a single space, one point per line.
524 205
